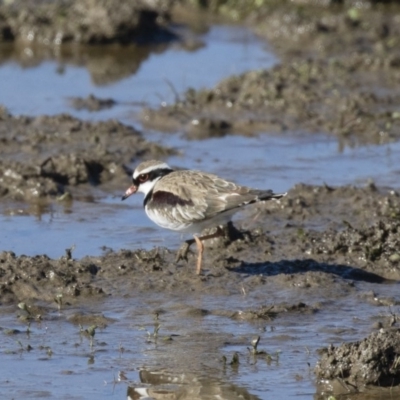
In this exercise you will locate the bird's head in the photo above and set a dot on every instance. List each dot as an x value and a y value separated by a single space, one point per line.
145 176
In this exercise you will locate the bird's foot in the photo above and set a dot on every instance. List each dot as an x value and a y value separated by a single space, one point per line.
183 251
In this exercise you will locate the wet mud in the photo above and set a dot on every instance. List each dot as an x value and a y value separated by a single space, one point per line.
281 252
322 244
336 96
91 103
51 156
85 22
371 361
283 247
334 60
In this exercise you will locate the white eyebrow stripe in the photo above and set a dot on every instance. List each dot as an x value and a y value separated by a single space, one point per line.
151 168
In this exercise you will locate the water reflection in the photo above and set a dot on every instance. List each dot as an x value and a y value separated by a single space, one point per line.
104 65
165 385
346 392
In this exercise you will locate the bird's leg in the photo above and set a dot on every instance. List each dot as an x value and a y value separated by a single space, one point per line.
200 250
182 252
200 246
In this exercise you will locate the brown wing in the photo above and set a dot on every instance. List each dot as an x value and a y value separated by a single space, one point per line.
203 196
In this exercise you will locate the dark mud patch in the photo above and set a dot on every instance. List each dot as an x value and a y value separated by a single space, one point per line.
270 312
360 228
101 22
98 320
47 156
91 103
371 361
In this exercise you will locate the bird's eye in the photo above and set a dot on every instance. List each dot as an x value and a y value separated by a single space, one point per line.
143 178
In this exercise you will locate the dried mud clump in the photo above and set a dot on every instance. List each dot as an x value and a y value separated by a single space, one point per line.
372 361
85 21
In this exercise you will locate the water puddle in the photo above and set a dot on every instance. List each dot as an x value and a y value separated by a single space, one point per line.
46 88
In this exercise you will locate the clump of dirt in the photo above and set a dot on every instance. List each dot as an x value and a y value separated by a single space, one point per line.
379 242
270 312
41 278
91 103
372 361
49 156
335 95
316 27
85 21
360 227
339 75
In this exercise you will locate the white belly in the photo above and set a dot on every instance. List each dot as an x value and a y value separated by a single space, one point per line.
168 221
173 220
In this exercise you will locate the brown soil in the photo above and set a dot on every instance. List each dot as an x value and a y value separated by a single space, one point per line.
46 157
340 75
371 361
283 248
100 22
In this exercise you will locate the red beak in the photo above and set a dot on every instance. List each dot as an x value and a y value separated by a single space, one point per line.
132 190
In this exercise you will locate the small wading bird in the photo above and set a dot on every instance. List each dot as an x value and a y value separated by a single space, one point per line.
190 201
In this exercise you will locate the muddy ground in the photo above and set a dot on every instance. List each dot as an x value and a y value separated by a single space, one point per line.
335 59
284 248
48 157
99 22
340 75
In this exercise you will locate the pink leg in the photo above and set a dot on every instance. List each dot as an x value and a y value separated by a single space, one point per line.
200 250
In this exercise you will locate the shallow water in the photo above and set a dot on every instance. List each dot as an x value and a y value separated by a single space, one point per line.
46 87
63 364
74 369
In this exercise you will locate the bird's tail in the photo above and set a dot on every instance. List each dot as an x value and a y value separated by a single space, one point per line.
268 195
